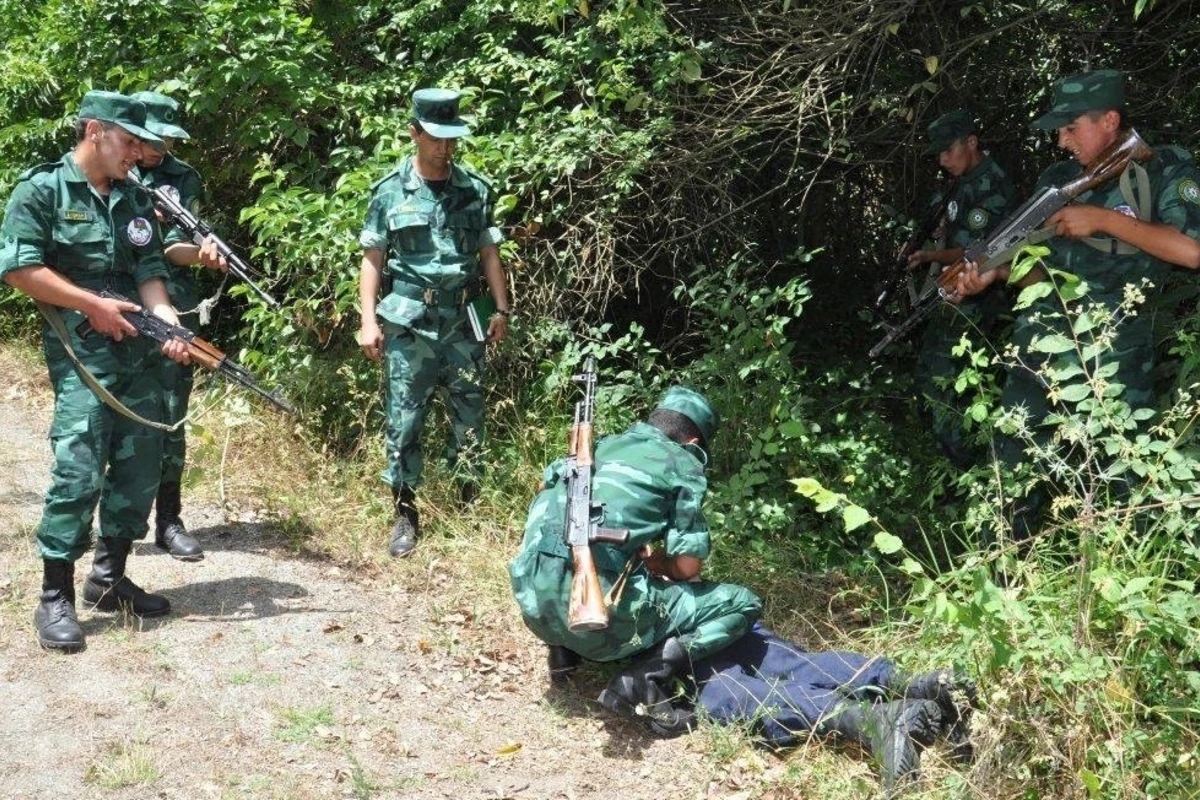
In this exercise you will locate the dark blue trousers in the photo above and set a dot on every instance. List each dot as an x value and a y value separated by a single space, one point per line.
783 690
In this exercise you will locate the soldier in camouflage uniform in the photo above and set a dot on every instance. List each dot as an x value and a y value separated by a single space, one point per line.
651 481
1120 233
160 168
982 197
429 231
72 226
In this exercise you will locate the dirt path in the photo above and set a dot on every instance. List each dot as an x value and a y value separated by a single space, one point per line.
280 677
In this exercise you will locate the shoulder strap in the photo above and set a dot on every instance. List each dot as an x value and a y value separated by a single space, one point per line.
1142 203
60 330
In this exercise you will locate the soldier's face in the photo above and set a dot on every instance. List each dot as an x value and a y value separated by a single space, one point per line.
119 151
152 156
432 150
959 158
1089 135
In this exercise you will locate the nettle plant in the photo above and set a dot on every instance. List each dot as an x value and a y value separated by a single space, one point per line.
1089 650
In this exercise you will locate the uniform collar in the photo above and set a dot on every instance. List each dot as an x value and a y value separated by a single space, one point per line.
413 181
72 171
984 166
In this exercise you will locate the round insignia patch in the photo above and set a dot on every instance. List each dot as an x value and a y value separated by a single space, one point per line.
977 218
171 192
952 210
139 231
1126 210
1189 191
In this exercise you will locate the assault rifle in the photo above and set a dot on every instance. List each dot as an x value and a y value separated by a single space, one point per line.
176 215
1018 227
900 269
158 329
587 609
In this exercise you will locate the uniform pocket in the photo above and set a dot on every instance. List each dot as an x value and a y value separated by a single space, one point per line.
465 227
410 233
83 247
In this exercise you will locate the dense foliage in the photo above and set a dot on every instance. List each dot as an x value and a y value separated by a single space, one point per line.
707 191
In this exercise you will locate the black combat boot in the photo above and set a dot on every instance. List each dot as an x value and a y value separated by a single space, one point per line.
107 588
169 533
643 691
956 696
562 662
404 532
893 733
57 626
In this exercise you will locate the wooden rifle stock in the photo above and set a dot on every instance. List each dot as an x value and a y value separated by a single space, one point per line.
586 607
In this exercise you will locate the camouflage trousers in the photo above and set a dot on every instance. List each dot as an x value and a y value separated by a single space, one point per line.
414 366
178 380
1132 351
709 616
100 456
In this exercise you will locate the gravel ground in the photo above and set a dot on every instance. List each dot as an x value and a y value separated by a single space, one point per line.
284 677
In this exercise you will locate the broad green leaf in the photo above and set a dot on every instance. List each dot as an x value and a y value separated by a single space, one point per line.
855 517
931 64
1052 343
1075 392
807 486
887 543
1031 294
1083 323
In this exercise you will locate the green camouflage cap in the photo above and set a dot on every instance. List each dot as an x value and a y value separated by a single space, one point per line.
120 110
693 406
1101 90
162 114
948 129
437 111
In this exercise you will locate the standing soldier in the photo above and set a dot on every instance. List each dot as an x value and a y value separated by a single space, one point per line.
429 231
73 226
981 197
1127 231
162 168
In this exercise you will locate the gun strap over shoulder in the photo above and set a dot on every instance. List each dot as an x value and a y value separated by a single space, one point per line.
60 330
1141 203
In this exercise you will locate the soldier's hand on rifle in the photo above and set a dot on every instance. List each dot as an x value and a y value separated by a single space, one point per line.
176 349
917 258
210 257
1076 222
105 317
370 339
971 281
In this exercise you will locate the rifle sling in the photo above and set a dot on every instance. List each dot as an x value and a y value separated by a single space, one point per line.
60 330
1141 203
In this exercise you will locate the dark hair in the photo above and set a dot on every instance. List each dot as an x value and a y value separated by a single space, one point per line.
678 427
81 126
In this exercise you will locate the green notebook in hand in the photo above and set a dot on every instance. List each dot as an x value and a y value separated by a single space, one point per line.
480 311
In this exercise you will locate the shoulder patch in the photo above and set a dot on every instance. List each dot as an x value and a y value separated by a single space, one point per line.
1171 155
40 168
475 176
1189 191
384 179
977 218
